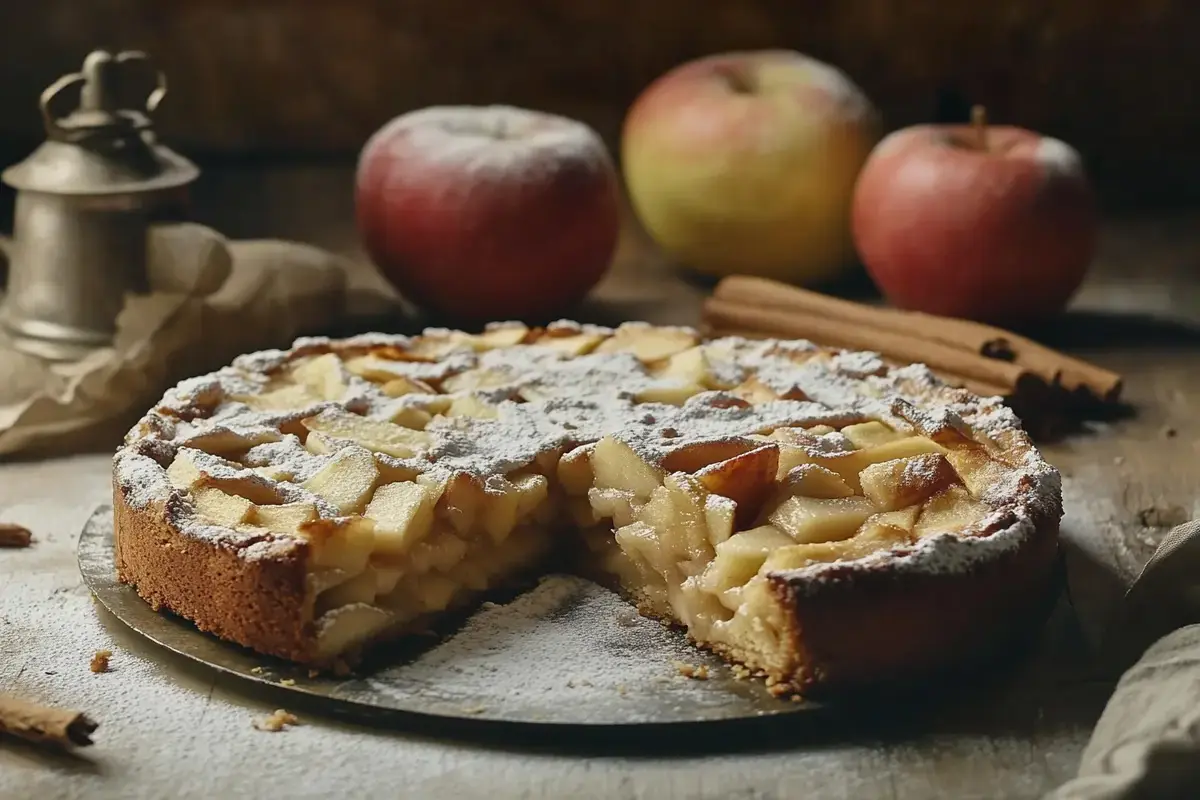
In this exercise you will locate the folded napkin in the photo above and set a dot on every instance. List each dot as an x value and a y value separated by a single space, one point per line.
1147 742
210 300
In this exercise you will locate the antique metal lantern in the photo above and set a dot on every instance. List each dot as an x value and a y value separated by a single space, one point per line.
85 200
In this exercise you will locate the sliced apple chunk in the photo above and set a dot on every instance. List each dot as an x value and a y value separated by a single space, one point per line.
687 367
373 434
873 539
345 543
441 552
347 480
471 406
977 470
285 517
498 512
221 508
649 343
534 490
719 513
950 511
615 504
812 519
870 434
571 345
574 471
812 480
671 393
617 466
850 464
323 375
403 516
739 558
289 397
349 626
500 335
362 588
901 482
695 456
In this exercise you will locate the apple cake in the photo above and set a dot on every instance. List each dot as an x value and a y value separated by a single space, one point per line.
820 517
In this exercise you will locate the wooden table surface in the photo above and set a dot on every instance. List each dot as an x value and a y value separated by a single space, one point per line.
169 729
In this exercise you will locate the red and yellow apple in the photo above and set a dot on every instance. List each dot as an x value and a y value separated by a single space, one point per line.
483 213
995 224
745 163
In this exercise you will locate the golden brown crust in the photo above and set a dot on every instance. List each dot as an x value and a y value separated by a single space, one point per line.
259 603
889 627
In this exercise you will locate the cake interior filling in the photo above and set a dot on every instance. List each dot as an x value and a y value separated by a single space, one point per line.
689 535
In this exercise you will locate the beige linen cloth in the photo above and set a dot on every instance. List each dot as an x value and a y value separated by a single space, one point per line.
1147 742
210 300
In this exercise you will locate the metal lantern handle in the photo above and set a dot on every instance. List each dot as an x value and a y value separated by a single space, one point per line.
97 82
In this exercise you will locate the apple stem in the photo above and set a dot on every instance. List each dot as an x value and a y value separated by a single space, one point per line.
979 123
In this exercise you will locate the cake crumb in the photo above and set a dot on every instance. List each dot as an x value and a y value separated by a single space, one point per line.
697 672
277 721
99 661
256 670
741 672
14 535
288 682
312 673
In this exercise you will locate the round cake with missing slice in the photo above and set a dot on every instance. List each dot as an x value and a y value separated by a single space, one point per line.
819 517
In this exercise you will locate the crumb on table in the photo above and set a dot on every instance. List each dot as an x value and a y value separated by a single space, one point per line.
278 720
14 535
697 672
99 662
288 682
741 672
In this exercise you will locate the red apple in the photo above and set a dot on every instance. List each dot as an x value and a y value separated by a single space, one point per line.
995 224
745 163
482 213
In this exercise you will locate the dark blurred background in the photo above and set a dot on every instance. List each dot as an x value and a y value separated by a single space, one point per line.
287 78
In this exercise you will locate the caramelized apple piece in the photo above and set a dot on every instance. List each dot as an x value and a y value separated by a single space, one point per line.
460 502
501 499
347 480
641 542
648 343
403 516
850 463
533 492
811 480
695 456
755 391
227 443
903 519
901 482
617 466
975 468
441 552
376 435
747 479
950 511
811 519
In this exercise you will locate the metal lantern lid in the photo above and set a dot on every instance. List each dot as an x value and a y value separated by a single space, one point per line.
100 148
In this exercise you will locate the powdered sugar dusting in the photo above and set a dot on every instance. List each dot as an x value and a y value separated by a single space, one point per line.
546 402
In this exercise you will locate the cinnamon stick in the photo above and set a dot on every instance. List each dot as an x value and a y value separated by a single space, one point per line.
44 724
13 535
1051 366
1001 377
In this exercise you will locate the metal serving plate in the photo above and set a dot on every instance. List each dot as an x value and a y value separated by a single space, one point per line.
565 652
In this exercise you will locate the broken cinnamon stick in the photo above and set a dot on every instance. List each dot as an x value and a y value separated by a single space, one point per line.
44 724
13 535
1053 367
999 377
